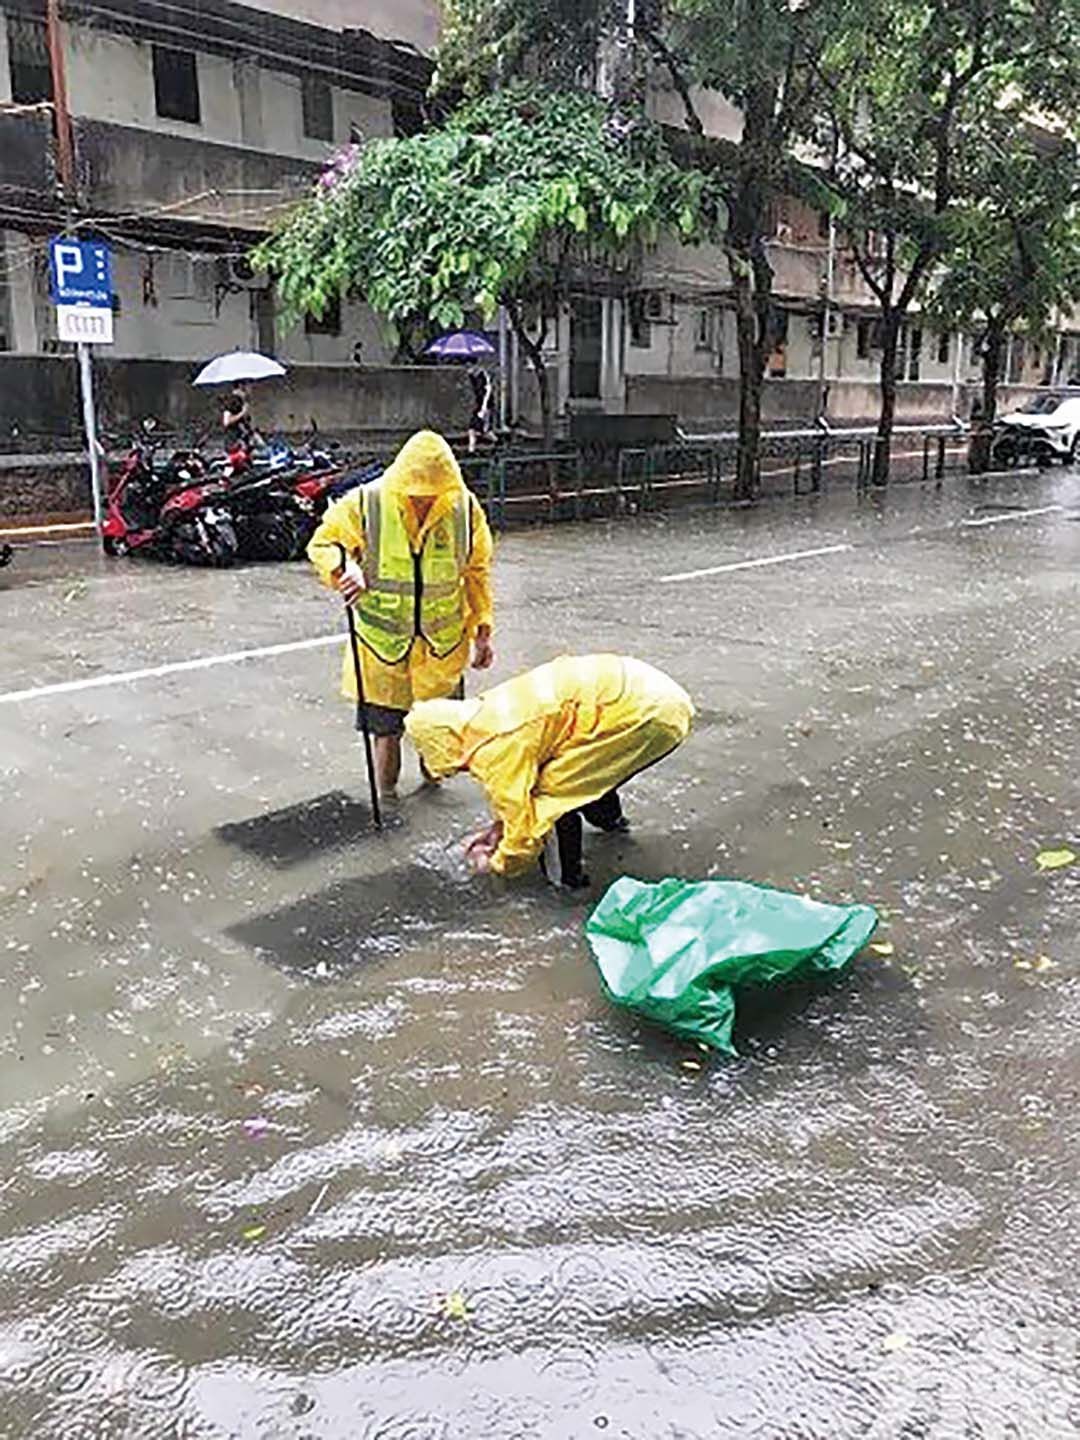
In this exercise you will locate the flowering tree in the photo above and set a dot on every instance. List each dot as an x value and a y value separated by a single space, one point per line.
501 205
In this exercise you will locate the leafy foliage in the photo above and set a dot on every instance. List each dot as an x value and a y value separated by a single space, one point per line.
1012 251
499 204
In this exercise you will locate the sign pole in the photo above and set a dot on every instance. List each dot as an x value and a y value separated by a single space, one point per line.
86 385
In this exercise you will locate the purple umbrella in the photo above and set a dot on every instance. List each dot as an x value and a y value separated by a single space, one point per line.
461 345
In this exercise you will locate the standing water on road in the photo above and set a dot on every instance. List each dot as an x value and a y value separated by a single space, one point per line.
307 1135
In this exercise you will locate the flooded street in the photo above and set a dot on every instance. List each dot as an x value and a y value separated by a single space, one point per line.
306 1134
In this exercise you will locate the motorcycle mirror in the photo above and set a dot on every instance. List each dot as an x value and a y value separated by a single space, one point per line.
149 424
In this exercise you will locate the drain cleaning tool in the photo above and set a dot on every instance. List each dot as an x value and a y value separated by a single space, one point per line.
361 708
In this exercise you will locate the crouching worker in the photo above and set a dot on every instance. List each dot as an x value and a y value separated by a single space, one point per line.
550 748
411 552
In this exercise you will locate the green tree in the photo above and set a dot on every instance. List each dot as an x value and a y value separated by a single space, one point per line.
756 53
503 204
911 93
1012 256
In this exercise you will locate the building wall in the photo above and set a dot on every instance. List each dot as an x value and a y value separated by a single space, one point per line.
414 21
111 78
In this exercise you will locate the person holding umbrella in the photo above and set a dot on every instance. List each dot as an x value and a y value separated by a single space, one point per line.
411 554
473 348
236 369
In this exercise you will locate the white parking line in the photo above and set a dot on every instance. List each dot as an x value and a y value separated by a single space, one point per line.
179 667
1013 515
754 564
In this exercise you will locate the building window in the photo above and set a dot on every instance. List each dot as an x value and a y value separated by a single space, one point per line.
28 61
176 85
640 329
911 353
328 323
317 102
944 347
705 329
868 338
777 365
408 115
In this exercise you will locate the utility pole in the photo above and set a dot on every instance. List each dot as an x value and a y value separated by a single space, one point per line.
65 155
65 165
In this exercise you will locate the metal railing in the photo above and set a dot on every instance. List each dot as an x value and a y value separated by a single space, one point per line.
579 484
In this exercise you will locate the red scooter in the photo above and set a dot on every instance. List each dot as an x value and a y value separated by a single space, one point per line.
175 511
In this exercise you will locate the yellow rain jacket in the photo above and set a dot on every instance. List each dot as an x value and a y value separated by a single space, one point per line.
414 647
552 740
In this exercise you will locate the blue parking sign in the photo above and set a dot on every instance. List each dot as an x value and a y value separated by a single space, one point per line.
80 273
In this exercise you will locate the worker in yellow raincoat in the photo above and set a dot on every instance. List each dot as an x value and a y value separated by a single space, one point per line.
411 552
550 747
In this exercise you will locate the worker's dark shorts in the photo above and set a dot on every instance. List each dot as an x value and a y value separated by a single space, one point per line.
386 722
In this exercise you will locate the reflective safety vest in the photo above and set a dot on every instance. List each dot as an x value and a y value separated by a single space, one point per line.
412 594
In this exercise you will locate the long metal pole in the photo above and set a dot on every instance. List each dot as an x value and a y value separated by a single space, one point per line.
86 386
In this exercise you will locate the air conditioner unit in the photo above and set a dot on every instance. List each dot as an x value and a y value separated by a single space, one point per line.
236 272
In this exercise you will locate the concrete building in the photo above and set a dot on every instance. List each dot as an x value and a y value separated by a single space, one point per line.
194 124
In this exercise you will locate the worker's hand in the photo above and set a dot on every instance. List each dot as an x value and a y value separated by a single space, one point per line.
351 583
480 850
483 653
480 861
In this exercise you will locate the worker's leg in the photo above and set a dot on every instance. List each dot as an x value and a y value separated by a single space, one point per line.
387 763
561 860
607 814
386 727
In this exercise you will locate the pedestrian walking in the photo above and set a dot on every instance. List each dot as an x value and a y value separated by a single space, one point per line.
411 552
551 748
483 396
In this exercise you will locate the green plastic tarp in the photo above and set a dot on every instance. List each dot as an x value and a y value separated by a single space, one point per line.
675 952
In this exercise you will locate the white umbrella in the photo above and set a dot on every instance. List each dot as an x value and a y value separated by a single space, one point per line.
237 366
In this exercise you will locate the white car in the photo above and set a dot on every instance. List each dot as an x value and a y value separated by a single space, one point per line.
1047 428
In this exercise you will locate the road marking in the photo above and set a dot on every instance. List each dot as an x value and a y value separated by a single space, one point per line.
179 667
754 564
1013 515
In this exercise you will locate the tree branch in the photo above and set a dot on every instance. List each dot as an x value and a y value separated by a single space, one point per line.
671 62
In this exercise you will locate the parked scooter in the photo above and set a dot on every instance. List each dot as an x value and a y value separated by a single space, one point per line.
175 511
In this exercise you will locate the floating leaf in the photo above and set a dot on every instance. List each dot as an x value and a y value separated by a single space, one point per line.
1055 859
841 844
254 1232
256 1127
455 1306
691 1064
883 947
1044 963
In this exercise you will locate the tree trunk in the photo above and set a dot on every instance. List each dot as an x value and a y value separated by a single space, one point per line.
982 435
751 381
534 350
543 386
879 472
992 358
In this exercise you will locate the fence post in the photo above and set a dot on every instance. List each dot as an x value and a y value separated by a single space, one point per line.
940 466
798 460
925 458
816 460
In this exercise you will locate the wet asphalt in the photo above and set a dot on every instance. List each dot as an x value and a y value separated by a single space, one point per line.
305 1134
